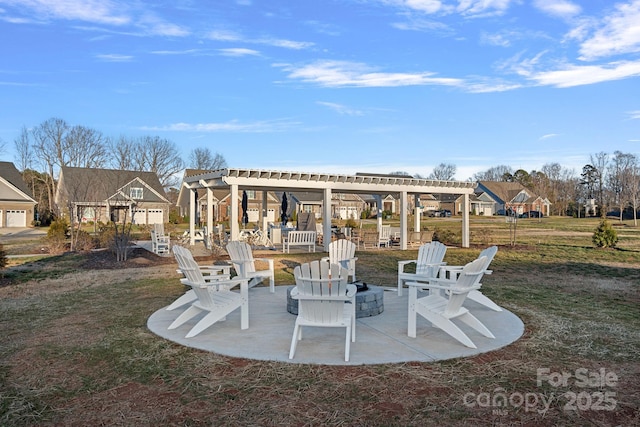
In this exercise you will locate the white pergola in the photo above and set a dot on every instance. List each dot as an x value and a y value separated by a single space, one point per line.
237 180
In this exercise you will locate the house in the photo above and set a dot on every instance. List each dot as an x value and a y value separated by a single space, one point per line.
17 205
112 195
509 196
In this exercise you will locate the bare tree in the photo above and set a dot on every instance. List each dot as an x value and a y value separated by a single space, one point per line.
48 146
496 173
618 175
3 146
600 161
443 172
24 152
85 148
203 159
122 151
160 156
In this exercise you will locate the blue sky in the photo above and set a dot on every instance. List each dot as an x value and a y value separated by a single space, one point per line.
336 86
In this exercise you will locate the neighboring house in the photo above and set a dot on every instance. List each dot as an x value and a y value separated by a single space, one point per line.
108 195
17 205
510 196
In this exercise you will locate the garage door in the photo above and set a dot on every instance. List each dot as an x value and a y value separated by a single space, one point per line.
16 218
140 216
155 216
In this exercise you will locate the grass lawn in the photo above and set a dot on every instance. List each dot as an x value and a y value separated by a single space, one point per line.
75 350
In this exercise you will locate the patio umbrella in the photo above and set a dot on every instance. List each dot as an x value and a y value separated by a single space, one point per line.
245 204
285 205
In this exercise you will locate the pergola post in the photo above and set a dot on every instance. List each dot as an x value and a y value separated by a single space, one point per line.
326 219
233 221
192 215
209 213
417 214
465 221
265 211
404 204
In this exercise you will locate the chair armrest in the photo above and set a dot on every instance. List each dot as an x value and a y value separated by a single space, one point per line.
351 290
324 259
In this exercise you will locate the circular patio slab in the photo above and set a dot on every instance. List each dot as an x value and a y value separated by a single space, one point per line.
379 339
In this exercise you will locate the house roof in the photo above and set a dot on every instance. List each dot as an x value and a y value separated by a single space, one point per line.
101 184
10 174
504 191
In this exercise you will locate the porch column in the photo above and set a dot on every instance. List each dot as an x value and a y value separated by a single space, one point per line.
192 216
465 220
326 219
404 204
233 220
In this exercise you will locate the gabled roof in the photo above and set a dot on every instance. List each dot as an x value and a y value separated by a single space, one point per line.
102 184
503 192
12 176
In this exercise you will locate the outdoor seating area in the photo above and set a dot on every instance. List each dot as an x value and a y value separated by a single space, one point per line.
325 299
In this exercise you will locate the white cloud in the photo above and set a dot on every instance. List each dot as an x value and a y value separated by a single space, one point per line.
239 52
575 75
175 52
98 11
558 8
634 115
483 7
620 33
340 109
549 135
353 74
232 36
113 57
232 126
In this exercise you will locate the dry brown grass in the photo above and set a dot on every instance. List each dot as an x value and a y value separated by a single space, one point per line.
75 351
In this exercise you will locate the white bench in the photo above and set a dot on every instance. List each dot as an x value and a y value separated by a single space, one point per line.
299 238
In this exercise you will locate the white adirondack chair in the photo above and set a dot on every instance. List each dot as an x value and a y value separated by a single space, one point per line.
160 242
210 273
476 295
440 309
384 235
322 293
245 264
214 297
343 252
430 259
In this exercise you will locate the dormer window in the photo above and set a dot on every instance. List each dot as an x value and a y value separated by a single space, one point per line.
135 193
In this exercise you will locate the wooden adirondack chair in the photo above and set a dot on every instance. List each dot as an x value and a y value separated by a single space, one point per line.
322 293
451 272
160 242
245 264
430 259
213 297
210 273
343 252
440 309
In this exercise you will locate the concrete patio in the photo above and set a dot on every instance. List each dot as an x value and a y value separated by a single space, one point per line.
379 339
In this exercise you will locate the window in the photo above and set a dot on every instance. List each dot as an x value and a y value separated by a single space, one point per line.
135 193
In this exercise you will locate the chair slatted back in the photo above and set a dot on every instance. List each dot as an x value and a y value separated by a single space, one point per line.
322 290
240 252
467 281
430 255
341 250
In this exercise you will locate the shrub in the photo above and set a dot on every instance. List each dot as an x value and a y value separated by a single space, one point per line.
3 257
57 236
84 241
447 237
605 236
